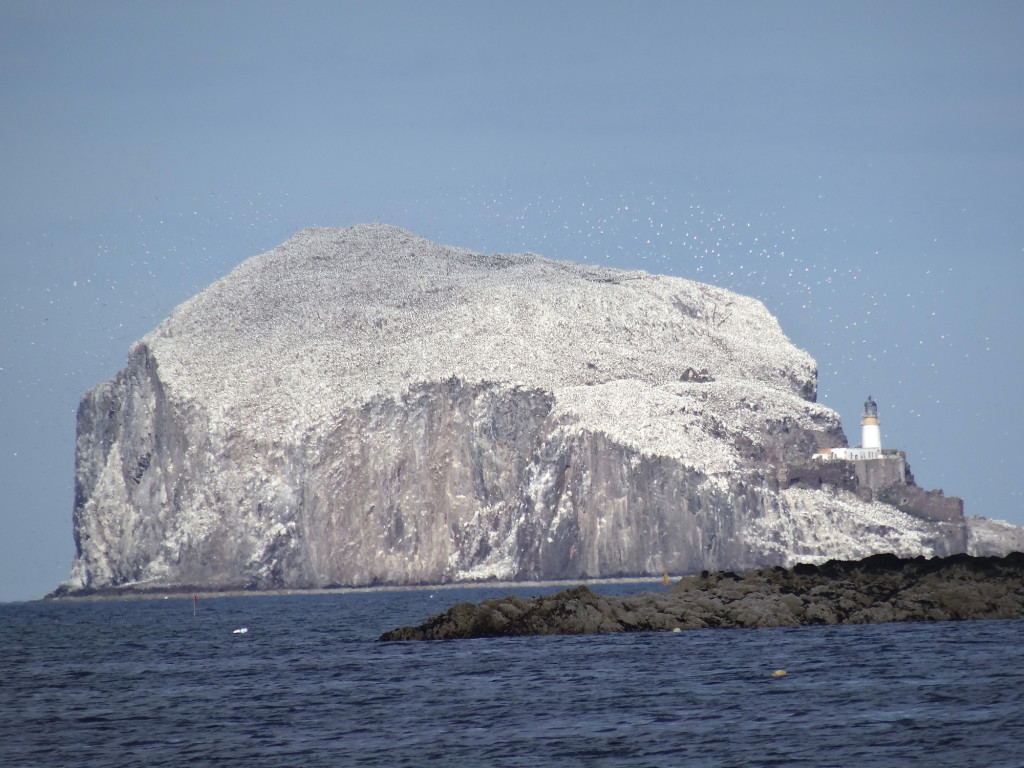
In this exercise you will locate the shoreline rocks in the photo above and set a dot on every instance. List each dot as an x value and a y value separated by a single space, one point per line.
880 588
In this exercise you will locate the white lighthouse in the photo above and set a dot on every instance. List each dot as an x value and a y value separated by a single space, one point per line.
870 434
870 439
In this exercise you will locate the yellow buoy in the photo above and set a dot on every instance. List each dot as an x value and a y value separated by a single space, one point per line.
779 673
664 579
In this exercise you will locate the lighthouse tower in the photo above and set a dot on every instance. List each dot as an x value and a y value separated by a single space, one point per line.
870 434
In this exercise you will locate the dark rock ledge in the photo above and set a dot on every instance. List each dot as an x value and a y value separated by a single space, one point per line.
879 588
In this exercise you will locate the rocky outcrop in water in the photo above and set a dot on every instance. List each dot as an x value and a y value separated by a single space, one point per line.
360 406
880 588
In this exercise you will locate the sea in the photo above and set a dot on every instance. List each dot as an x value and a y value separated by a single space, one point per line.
175 682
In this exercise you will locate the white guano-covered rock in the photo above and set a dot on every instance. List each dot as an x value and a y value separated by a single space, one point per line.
361 406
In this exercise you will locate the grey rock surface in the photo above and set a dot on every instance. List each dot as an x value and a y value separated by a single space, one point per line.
880 588
360 406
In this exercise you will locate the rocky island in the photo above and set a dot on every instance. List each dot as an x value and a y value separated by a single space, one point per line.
880 588
360 406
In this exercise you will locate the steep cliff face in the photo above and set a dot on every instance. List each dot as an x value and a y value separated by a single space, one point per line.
361 406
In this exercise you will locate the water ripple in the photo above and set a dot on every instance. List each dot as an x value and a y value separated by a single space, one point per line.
145 683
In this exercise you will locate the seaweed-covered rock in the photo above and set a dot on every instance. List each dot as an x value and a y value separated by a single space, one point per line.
880 588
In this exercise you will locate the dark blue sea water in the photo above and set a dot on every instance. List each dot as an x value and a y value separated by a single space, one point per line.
143 683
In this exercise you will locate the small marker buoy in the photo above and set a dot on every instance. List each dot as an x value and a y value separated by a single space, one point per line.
240 631
779 673
677 631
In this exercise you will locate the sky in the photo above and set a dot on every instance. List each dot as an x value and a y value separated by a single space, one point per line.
858 167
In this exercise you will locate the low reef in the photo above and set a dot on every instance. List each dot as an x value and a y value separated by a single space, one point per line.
880 588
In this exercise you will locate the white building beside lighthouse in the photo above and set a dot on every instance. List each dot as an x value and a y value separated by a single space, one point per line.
870 439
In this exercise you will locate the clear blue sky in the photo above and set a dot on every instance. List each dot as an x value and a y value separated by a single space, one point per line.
857 166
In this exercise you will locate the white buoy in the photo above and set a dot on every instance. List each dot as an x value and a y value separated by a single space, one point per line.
240 631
